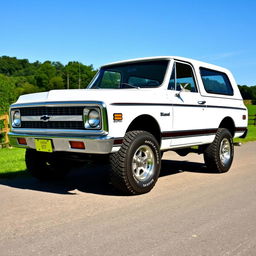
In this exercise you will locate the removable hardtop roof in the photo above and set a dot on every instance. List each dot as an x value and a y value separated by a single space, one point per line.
178 58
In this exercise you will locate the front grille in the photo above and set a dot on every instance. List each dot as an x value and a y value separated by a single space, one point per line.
52 111
53 125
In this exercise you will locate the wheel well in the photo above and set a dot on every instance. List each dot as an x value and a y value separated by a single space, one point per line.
229 124
146 123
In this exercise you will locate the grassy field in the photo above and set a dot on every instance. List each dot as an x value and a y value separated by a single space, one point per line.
251 111
12 162
251 136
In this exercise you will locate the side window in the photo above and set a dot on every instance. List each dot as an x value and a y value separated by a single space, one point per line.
185 78
182 78
110 80
216 82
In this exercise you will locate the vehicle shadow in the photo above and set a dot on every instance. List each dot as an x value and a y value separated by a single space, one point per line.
175 166
93 179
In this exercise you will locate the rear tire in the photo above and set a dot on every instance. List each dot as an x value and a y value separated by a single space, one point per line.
45 166
136 166
219 155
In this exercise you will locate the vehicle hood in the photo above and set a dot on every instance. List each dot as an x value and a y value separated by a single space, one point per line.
107 96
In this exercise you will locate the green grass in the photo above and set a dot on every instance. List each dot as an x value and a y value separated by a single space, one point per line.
251 111
12 162
251 135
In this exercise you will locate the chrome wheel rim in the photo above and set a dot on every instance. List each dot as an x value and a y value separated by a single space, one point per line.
143 163
225 151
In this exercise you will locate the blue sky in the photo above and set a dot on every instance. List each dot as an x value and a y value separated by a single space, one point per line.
98 32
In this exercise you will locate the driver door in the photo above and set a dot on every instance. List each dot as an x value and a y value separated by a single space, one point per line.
189 110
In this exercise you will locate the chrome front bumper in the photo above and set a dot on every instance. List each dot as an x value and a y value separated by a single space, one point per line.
101 144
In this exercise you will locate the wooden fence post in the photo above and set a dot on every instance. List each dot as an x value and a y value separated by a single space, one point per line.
6 129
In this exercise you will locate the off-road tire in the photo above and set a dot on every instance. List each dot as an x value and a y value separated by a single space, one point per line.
214 154
124 176
45 166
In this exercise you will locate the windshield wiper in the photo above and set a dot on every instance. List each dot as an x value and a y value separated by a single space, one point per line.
131 85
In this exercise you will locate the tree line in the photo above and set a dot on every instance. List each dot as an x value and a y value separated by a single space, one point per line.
248 92
19 76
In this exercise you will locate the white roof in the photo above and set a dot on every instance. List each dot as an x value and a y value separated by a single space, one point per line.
195 62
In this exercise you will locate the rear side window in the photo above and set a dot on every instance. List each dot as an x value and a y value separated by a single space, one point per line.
216 82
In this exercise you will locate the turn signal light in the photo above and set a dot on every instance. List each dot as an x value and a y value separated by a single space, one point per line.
77 144
22 141
118 116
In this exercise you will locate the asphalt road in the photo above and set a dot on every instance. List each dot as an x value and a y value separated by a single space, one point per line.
189 212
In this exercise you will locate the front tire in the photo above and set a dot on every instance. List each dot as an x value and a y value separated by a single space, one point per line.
136 166
45 166
219 155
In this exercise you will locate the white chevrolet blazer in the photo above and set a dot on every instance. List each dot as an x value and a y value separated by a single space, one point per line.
132 112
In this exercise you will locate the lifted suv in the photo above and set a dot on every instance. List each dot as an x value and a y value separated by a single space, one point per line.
133 111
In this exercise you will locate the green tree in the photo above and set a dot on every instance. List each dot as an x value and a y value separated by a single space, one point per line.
248 92
8 93
26 88
19 76
78 72
42 81
48 69
56 82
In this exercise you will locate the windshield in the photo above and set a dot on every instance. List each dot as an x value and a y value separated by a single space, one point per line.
148 74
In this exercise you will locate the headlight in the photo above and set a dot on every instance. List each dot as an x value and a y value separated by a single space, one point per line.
92 118
16 119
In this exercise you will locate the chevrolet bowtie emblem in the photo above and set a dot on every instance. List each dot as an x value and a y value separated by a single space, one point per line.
45 118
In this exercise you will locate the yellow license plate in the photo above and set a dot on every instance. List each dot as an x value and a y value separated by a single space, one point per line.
43 145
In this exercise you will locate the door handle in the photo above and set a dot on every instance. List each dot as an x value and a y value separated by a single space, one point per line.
201 102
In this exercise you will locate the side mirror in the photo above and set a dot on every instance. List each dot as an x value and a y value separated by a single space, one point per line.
182 89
